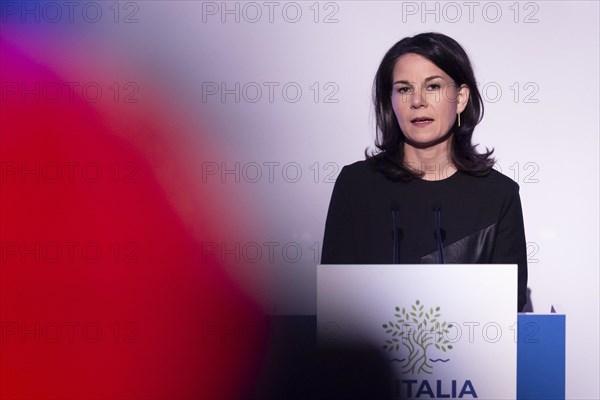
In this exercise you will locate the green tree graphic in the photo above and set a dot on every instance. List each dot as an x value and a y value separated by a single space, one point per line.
417 329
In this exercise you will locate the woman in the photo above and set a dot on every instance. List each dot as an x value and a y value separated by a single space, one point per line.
426 195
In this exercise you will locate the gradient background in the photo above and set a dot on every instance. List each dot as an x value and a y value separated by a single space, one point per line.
167 167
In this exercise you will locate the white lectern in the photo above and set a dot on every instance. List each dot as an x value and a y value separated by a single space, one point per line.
447 331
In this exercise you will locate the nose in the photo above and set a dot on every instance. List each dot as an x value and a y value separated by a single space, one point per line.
417 98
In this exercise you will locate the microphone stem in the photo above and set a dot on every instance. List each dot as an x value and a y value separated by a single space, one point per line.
438 234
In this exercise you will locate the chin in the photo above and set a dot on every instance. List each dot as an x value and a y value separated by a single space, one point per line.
426 141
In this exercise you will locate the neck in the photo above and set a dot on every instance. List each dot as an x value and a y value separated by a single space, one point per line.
435 162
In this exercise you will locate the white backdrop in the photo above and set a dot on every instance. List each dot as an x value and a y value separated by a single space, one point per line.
286 86
537 64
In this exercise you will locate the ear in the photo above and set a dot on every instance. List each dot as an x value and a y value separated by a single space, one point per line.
462 98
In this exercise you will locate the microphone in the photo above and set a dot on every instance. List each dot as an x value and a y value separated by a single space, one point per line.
437 211
396 234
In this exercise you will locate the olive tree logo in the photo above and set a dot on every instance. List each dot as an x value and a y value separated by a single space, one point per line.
417 329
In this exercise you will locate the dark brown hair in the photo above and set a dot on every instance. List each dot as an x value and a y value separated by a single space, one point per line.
450 57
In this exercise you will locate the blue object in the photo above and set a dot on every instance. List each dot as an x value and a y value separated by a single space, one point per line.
541 357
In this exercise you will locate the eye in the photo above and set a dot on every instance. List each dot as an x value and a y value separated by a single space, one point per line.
434 86
403 89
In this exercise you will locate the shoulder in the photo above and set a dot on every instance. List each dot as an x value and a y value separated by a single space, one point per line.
358 174
360 180
496 182
357 169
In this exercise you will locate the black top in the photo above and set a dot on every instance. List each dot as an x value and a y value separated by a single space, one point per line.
480 221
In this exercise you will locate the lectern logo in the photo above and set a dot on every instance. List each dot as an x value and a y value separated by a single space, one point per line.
417 329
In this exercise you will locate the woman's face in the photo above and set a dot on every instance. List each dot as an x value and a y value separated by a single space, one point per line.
425 100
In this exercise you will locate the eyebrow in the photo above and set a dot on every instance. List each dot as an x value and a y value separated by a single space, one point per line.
426 79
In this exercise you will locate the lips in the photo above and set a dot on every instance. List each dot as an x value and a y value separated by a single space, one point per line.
421 122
